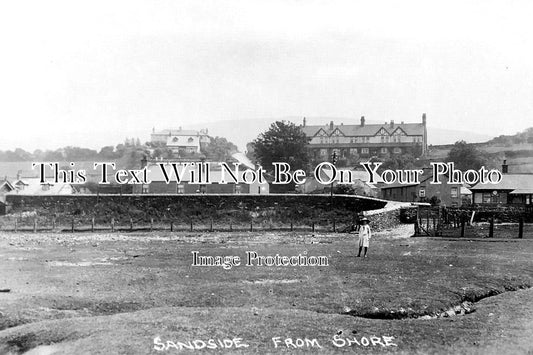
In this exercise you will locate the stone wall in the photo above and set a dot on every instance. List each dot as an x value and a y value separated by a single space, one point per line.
287 208
387 217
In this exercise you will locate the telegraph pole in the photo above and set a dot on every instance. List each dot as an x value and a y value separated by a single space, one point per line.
333 161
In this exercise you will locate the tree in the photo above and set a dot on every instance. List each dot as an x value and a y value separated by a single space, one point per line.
466 156
107 152
398 162
219 149
282 142
79 154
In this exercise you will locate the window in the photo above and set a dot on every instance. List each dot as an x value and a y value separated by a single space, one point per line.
454 192
353 151
529 199
397 150
422 192
145 189
364 150
238 189
323 152
181 189
190 140
175 139
384 150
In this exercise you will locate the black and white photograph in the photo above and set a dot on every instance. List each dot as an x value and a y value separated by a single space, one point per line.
266 177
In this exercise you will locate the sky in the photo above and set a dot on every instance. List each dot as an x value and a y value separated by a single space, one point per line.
92 73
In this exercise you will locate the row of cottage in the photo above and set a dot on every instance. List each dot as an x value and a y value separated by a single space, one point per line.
514 189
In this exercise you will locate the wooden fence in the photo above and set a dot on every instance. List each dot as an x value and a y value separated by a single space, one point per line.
438 222
82 225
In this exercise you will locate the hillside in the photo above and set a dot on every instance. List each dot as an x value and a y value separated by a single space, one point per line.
517 149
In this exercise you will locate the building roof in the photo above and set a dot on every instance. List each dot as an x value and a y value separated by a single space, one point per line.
178 132
465 191
33 186
522 191
410 129
521 183
395 185
6 183
243 159
155 173
423 180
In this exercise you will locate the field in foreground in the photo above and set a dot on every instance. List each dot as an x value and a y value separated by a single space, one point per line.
138 294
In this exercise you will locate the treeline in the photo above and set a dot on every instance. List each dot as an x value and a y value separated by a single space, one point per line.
70 153
129 153
520 138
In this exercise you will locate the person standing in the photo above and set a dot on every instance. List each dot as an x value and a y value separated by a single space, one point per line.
364 236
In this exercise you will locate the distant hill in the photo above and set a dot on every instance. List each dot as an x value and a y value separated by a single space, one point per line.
517 149
439 136
241 132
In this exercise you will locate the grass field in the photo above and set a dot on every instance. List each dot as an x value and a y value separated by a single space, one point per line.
137 293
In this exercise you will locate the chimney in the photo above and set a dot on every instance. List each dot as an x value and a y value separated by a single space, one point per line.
505 167
305 121
362 121
391 123
403 122
153 129
424 119
19 174
331 126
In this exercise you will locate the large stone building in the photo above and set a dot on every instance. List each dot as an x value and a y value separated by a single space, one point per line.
353 142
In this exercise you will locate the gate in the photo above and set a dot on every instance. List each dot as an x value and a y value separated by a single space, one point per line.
433 221
428 221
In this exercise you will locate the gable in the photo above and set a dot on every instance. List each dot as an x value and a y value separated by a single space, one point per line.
382 132
6 186
337 133
399 132
321 133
